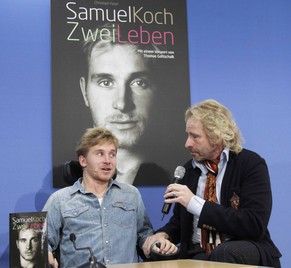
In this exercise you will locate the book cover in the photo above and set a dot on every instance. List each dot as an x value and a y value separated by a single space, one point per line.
28 240
122 65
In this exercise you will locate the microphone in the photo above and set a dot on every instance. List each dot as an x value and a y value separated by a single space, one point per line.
92 260
178 175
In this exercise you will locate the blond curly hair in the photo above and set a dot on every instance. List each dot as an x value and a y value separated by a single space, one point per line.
218 123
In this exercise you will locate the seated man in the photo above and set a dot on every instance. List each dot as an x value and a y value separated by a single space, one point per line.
103 214
223 204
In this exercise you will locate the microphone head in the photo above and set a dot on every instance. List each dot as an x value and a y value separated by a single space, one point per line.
179 172
72 237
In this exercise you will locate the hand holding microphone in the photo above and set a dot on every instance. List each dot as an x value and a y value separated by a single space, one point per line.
178 174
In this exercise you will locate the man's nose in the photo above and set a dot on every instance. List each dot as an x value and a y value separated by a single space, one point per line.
123 98
188 143
28 244
108 157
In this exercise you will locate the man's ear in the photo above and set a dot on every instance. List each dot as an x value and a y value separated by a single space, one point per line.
82 161
83 90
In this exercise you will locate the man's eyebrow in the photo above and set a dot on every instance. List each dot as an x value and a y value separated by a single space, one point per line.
145 73
100 75
133 75
98 150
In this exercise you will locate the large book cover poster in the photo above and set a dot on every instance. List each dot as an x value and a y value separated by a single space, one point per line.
122 65
28 240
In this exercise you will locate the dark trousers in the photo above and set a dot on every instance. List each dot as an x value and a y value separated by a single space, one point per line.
242 252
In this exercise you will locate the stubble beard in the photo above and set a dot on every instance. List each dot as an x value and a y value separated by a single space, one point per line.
129 139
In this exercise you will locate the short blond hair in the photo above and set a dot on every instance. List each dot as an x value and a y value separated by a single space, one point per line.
94 136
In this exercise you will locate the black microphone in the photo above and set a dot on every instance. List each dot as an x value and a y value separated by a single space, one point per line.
92 260
178 175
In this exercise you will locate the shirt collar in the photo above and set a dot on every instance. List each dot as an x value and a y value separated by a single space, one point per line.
78 187
224 157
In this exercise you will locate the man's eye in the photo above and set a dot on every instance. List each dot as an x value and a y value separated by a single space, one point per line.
142 83
105 83
112 155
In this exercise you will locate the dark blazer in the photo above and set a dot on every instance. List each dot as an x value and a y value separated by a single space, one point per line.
247 176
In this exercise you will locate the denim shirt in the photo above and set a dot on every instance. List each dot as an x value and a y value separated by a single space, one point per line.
112 230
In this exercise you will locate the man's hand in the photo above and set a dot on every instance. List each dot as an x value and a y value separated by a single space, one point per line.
52 260
165 246
178 193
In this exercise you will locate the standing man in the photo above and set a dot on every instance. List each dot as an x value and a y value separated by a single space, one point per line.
120 88
223 204
103 214
29 246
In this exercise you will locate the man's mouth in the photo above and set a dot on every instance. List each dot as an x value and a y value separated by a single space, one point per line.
106 169
124 124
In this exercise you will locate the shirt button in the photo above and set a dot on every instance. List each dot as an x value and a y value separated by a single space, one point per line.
105 225
107 242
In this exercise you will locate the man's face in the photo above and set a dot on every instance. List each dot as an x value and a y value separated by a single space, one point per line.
28 244
119 92
100 162
198 143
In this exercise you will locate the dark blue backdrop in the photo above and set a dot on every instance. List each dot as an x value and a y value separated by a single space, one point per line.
239 54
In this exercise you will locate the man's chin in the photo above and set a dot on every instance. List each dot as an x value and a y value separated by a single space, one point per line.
29 258
126 145
128 141
196 157
127 138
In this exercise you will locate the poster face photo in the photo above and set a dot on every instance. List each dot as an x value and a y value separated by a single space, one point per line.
121 65
28 239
